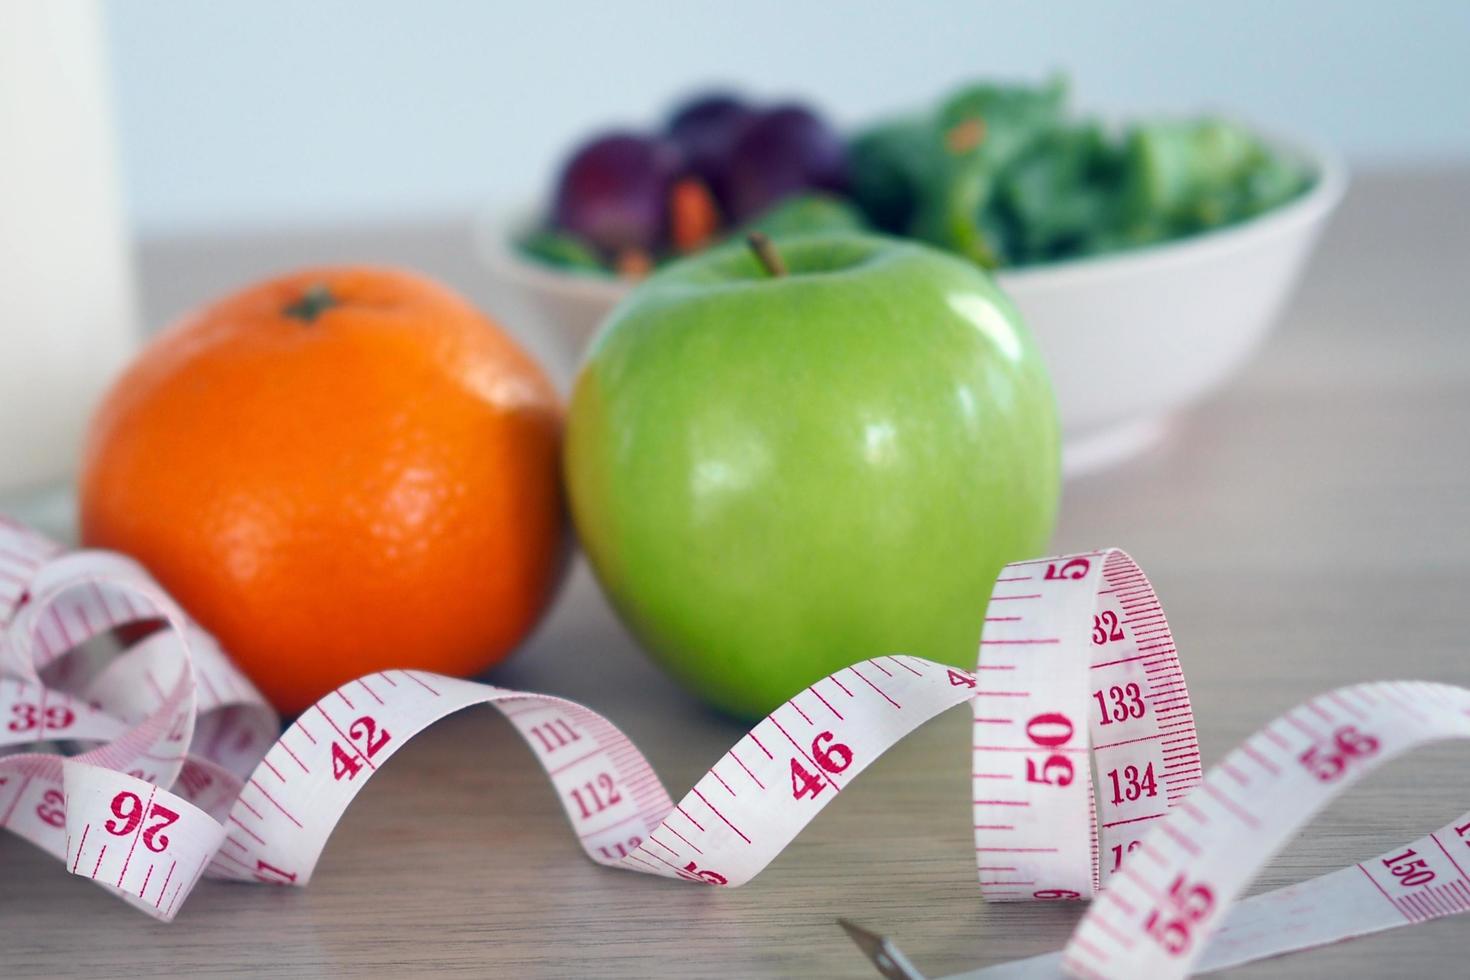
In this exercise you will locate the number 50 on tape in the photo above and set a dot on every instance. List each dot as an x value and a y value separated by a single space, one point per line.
1084 731
1086 769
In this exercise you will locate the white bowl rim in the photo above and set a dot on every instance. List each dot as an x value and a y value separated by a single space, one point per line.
493 239
492 234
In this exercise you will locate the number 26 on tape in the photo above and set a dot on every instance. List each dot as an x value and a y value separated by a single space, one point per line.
833 758
128 809
373 738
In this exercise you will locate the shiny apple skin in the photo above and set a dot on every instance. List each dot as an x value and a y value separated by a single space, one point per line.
775 477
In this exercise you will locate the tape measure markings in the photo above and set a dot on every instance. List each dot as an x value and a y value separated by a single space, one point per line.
1078 693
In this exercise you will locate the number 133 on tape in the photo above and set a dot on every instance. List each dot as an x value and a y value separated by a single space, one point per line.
1090 682
1086 769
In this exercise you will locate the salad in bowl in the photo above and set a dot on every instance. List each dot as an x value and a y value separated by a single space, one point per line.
1149 257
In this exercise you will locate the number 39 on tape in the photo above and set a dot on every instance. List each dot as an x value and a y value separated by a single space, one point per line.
176 771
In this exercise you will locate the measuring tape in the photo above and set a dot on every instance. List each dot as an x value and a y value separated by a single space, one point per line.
154 767
1088 783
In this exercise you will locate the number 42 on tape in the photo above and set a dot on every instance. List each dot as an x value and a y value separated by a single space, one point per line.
181 775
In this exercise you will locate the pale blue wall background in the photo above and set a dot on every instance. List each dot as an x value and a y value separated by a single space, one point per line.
278 111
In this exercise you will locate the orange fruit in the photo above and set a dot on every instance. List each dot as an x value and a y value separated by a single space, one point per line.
336 472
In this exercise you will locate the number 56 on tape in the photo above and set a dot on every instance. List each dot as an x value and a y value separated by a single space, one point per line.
1087 779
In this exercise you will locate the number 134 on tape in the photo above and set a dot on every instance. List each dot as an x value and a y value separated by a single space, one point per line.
1087 777
1083 725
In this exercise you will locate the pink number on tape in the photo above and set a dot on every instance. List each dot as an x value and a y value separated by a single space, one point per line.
185 777
176 783
1077 671
1078 675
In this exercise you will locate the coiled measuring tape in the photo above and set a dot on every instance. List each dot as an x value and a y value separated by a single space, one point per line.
154 767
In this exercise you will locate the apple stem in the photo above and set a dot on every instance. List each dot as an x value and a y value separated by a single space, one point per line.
766 254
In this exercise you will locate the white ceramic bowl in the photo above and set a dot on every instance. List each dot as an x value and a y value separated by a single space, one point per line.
1130 337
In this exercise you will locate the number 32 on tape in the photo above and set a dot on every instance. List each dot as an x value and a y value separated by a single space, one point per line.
1077 675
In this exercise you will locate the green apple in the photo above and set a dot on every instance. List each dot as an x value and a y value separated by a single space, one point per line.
777 472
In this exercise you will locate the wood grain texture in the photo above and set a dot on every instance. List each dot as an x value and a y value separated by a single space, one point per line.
1307 527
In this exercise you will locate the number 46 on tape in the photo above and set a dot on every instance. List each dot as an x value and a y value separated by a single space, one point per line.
1077 673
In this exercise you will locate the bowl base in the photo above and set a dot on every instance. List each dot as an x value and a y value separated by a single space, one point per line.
1102 448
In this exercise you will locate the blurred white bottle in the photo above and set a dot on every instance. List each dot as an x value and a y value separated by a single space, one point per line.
67 310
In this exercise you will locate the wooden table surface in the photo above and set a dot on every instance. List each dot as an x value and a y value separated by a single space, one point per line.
1306 528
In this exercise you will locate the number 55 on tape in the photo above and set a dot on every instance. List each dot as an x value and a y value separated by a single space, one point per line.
1087 780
